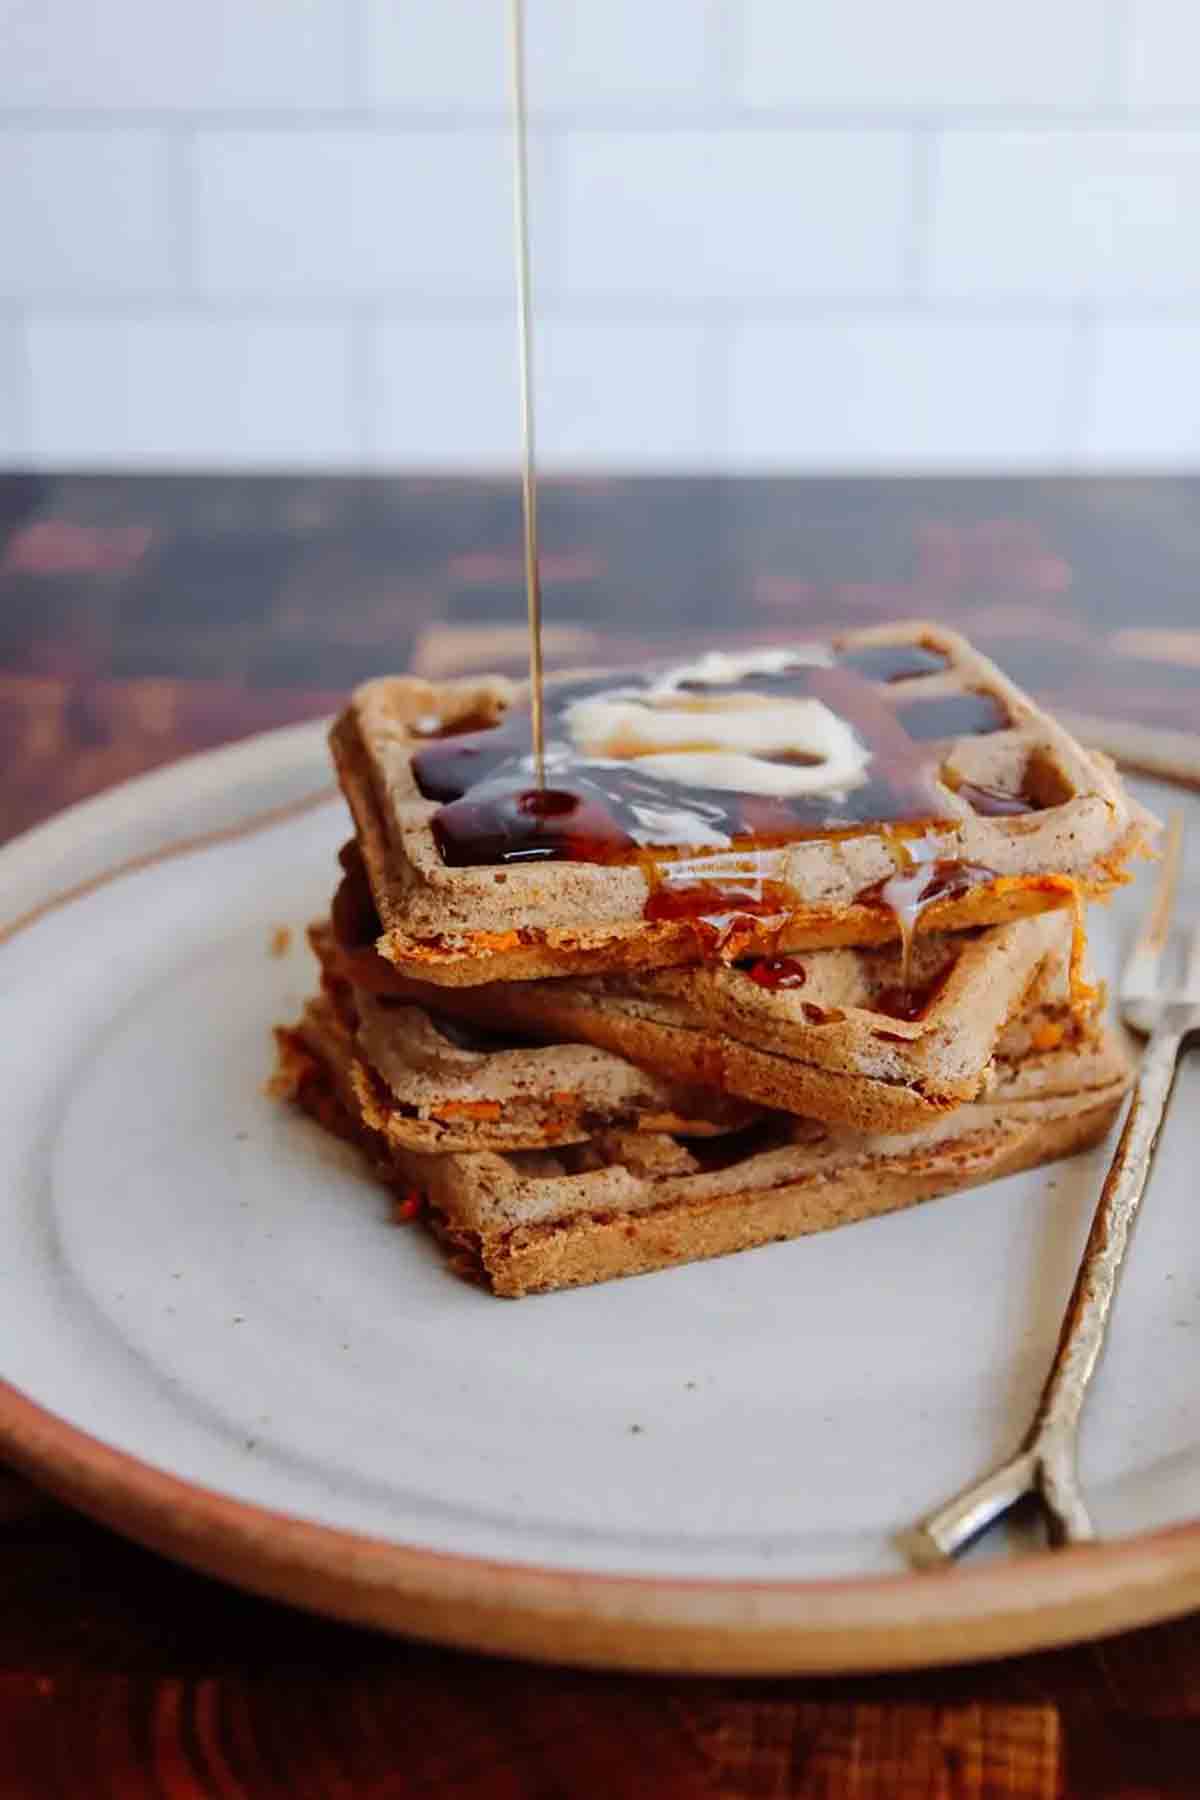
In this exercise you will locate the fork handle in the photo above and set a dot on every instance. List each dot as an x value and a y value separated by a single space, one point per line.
1086 1320
1046 1462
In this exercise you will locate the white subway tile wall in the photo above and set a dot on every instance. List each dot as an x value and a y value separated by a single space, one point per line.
1164 53
12 394
680 218
199 56
187 392
1143 402
1095 214
899 394
931 54
592 375
810 234
85 215
581 54
428 378
353 214
443 56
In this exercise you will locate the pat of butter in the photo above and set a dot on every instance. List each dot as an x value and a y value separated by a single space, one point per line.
724 745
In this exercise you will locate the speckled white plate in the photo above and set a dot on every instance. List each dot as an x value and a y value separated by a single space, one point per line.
216 1341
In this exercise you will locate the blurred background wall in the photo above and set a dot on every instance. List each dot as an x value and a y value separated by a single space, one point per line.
834 234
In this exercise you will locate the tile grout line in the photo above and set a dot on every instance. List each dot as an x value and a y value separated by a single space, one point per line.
646 117
450 307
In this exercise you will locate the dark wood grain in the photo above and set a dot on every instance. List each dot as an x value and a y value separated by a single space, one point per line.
140 620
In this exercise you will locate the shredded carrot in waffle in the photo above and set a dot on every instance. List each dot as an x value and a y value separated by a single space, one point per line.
483 943
488 1110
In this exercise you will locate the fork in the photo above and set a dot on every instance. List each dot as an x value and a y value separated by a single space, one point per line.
1046 1464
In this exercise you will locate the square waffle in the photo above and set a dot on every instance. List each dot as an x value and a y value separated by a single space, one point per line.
625 1203
823 1039
1014 818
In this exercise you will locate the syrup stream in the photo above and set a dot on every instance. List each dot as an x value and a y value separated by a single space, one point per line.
903 894
533 583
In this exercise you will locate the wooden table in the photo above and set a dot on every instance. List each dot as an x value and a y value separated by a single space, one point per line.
144 618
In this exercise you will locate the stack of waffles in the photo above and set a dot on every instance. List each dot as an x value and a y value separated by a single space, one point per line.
766 944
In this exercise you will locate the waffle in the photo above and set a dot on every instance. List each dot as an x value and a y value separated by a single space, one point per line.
427 1082
824 1048
474 924
627 1203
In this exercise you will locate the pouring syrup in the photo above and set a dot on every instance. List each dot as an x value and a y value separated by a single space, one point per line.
595 810
533 581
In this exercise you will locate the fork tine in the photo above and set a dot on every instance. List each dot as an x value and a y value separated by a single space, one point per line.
1140 975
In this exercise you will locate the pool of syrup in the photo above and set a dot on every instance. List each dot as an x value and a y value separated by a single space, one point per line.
492 812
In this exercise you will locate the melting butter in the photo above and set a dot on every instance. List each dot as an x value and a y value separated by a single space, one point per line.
739 742
738 773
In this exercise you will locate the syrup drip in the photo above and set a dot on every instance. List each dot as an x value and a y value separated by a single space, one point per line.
778 972
911 1003
911 890
718 901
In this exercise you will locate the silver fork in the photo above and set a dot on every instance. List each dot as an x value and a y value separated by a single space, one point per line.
1045 1466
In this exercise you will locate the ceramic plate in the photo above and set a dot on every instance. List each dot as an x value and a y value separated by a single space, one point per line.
217 1342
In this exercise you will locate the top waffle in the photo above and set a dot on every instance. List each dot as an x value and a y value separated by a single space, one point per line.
958 802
